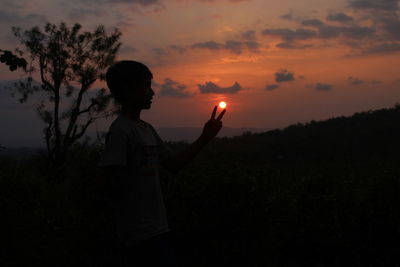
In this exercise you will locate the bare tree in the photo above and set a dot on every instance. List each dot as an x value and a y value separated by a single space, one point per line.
68 63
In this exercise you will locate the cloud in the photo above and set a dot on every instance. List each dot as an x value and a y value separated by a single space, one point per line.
212 88
382 49
231 1
289 35
354 81
326 31
288 45
252 46
172 88
233 46
271 87
339 17
125 48
249 35
207 45
287 16
323 86
284 76
178 48
382 32
391 24
374 4
139 2
160 52
312 22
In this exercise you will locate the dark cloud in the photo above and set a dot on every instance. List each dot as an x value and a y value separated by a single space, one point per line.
354 81
289 45
340 17
160 52
284 76
271 87
289 35
357 32
172 88
127 49
326 31
391 23
178 48
235 47
212 88
232 1
139 2
382 49
207 45
249 35
383 32
287 16
374 4
312 22
252 46
323 86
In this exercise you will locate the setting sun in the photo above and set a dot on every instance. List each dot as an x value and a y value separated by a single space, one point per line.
222 104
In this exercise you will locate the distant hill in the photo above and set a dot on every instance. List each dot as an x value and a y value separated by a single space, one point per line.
191 133
370 134
364 134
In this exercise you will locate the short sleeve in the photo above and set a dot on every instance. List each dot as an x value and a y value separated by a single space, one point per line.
116 149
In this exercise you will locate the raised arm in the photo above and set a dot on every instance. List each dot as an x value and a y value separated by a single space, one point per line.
210 130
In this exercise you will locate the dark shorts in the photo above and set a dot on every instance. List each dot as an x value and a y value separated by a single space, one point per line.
157 251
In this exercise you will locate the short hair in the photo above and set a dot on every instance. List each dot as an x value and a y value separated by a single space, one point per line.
125 72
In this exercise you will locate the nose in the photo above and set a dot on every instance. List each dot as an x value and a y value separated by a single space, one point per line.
151 92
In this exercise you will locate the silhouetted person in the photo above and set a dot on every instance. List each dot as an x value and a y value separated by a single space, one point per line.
131 162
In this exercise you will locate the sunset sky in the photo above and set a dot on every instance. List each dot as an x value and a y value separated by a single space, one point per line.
274 62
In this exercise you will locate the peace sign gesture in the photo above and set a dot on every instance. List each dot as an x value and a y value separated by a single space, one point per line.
213 126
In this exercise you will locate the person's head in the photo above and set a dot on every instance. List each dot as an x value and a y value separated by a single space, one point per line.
130 84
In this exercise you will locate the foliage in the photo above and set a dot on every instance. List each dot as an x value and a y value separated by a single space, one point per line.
314 194
14 62
68 62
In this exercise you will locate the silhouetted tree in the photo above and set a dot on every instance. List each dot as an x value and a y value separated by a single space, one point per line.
13 61
69 62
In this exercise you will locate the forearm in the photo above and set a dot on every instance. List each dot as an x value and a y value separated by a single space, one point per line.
180 160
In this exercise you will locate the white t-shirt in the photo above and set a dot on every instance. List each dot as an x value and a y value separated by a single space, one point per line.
139 212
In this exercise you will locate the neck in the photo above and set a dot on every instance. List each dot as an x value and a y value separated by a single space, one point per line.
131 112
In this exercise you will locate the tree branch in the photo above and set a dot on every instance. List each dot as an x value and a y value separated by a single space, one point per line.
41 67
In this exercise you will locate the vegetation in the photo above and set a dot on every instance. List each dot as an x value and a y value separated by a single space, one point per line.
12 61
319 194
68 63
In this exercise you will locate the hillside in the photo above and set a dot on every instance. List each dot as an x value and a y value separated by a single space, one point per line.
363 135
316 194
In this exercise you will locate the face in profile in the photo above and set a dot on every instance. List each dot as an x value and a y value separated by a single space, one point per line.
139 95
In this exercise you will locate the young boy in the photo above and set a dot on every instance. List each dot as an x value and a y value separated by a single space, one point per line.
131 160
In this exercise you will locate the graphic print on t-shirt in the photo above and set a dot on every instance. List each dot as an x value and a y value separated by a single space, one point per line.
149 160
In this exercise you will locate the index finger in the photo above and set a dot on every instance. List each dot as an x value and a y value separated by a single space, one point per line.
213 113
221 115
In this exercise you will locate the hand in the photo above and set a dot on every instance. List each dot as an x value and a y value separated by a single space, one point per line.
213 126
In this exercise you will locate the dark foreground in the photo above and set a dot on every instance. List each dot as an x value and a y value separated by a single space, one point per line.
320 194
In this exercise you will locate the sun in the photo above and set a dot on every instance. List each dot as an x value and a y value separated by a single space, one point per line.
222 104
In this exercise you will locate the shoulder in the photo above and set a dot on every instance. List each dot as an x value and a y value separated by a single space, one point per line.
119 125
148 125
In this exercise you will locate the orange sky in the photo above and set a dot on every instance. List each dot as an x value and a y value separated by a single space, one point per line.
340 57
